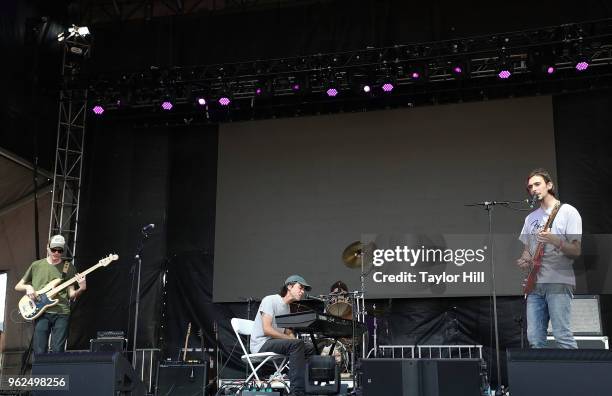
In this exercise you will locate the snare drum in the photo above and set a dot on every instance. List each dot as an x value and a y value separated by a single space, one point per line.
339 305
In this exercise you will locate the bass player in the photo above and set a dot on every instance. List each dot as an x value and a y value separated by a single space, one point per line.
549 253
54 322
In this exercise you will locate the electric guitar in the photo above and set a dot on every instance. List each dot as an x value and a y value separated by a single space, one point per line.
532 276
31 309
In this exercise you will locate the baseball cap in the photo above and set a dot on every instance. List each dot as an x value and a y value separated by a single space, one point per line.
298 279
57 241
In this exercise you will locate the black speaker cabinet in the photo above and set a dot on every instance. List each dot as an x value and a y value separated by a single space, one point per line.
421 377
559 372
181 379
90 373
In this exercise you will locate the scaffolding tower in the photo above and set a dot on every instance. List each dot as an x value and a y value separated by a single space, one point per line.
69 152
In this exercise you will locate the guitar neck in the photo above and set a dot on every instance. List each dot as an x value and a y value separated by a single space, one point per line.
70 281
539 251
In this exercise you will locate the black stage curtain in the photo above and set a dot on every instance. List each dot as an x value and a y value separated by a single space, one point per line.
584 166
133 177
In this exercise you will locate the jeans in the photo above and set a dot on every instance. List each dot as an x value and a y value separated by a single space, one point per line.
550 301
298 351
52 324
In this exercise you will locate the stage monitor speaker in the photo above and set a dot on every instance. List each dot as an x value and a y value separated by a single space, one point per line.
421 377
181 379
90 373
559 372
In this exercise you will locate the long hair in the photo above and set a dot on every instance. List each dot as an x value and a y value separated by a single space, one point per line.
285 289
543 173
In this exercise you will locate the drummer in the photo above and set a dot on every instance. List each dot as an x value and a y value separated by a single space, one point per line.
338 287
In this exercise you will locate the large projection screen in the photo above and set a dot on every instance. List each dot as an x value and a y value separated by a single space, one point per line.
292 194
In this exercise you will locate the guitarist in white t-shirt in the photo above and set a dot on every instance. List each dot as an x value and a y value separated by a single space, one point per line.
551 245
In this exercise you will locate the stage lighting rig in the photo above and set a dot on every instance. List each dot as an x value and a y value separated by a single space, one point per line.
418 73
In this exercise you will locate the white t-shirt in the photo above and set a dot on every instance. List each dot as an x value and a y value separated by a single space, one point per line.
556 266
272 305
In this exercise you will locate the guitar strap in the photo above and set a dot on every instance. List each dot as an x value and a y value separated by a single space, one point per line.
554 216
65 270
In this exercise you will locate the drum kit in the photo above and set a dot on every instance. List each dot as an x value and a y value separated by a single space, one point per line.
342 303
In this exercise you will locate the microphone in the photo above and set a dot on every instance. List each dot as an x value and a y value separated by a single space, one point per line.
148 228
310 297
534 201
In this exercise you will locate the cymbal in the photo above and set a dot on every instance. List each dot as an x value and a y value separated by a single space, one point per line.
352 254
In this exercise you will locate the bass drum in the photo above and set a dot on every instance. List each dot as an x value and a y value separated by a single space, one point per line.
340 306
340 352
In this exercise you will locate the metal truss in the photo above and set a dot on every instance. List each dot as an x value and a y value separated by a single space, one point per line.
70 145
289 82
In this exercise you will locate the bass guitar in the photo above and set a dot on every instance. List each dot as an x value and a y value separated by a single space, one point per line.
31 309
536 262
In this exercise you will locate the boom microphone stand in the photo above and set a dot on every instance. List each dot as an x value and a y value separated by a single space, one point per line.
488 206
138 263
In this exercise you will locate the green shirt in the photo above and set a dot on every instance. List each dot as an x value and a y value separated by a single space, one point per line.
41 272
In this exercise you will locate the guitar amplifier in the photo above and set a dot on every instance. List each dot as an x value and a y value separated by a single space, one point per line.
108 345
584 342
586 316
177 378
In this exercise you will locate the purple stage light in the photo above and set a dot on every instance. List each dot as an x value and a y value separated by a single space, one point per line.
332 92
504 74
201 101
457 70
224 101
296 87
415 75
387 87
98 110
258 91
366 88
166 105
582 66
550 70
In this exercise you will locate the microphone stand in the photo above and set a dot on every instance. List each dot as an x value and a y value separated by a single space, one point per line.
488 206
138 258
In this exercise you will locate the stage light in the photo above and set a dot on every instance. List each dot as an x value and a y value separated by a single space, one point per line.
98 110
457 69
332 92
387 87
224 101
201 101
582 65
550 69
415 75
366 88
295 87
166 105
80 31
504 74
